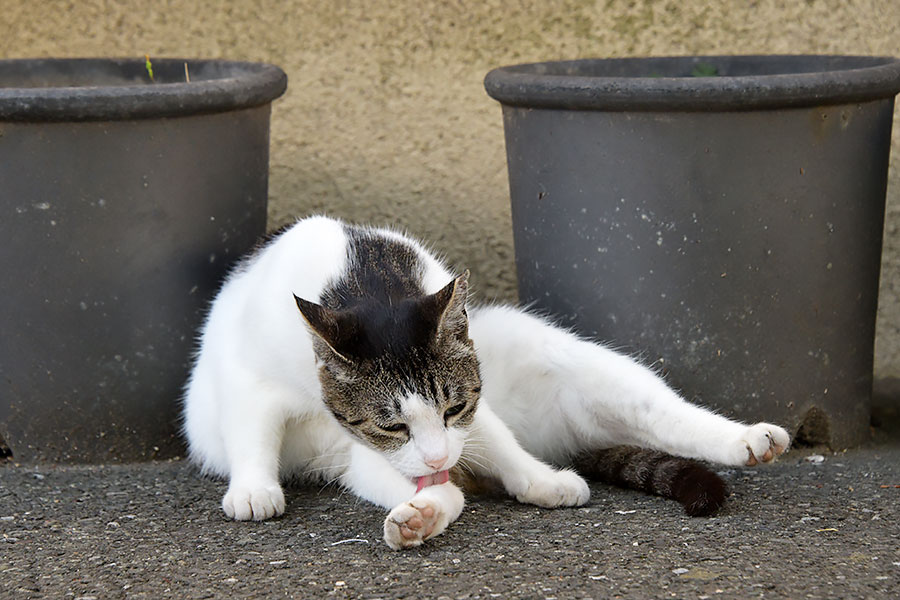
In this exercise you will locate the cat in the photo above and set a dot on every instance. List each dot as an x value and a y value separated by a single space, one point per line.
349 354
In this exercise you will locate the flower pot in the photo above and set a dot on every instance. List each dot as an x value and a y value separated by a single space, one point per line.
725 228
122 203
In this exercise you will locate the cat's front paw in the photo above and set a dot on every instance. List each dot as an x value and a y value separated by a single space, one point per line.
243 503
760 443
410 524
555 488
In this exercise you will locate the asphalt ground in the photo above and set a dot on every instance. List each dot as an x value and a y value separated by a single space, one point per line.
816 524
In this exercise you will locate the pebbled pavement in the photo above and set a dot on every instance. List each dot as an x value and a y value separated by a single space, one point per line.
801 528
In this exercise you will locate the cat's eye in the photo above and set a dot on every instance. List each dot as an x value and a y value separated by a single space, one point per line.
454 410
395 427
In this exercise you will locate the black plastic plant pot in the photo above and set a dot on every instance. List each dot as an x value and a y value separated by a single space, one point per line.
123 200
720 217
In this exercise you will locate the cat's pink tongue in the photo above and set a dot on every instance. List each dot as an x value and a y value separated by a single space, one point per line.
433 479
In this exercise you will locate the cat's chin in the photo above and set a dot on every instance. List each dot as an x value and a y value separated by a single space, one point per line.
438 478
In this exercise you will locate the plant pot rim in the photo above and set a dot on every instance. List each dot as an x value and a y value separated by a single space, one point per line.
745 82
110 89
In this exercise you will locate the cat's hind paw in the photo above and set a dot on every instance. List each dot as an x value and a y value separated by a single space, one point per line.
257 503
411 523
555 489
762 443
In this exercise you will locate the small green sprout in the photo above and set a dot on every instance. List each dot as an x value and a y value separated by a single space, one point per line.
149 66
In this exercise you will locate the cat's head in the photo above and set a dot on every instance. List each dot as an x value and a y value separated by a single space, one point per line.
403 378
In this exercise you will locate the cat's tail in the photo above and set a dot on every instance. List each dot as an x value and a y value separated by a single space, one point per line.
698 489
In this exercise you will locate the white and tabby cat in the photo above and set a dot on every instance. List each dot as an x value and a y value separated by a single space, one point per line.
344 353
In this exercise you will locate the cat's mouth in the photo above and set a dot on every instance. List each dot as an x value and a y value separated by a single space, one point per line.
434 479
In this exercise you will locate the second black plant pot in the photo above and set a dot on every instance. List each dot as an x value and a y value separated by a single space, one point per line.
720 217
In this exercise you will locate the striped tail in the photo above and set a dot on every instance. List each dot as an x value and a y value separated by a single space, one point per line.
698 489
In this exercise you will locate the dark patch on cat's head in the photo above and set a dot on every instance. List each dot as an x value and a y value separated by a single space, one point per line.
391 333
373 353
380 267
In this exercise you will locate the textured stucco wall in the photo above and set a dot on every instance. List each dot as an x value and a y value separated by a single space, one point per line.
386 119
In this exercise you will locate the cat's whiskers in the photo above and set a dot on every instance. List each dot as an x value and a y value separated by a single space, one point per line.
319 458
330 482
339 467
465 466
485 468
479 461
474 446
320 473
475 450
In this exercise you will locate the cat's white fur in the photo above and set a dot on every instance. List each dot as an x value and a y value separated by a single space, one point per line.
253 411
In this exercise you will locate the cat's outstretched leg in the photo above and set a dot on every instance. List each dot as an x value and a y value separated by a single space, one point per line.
415 516
562 395
492 450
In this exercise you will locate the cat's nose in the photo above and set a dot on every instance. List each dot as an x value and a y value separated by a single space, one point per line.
437 463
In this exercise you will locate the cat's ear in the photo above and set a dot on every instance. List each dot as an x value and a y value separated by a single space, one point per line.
334 328
447 308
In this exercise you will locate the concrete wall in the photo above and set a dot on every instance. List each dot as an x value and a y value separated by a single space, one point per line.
386 119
